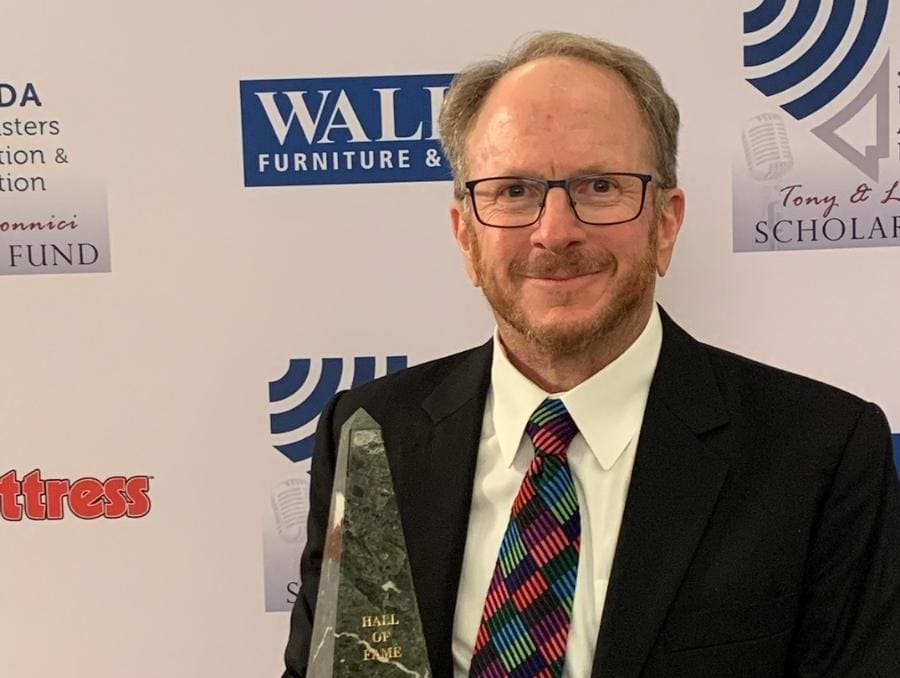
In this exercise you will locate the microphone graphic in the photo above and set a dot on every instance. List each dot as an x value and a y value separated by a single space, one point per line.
290 505
767 152
767 148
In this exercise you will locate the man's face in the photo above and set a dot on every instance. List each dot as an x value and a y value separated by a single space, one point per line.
561 284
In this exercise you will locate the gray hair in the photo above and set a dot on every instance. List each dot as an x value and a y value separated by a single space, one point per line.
471 86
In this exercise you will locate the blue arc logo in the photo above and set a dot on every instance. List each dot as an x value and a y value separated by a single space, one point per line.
808 55
835 28
300 396
896 438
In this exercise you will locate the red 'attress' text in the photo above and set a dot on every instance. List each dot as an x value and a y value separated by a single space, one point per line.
37 498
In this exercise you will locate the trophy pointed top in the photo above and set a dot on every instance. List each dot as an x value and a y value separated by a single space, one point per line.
362 420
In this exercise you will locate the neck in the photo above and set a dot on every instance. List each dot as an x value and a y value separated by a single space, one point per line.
556 373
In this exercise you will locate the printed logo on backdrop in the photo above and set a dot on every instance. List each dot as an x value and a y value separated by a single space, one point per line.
52 206
33 497
896 438
352 130
819 165
301 393
296 399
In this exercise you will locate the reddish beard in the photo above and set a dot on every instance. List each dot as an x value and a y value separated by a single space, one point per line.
627 297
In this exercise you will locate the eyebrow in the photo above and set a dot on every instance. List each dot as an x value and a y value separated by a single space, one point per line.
581 171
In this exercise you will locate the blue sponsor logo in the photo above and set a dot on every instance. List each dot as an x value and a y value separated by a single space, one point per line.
298 397
810 54
833 32
896 438
369 129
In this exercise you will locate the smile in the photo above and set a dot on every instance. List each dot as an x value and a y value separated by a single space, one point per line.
563 277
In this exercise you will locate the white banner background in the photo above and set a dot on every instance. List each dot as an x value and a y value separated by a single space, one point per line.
161 367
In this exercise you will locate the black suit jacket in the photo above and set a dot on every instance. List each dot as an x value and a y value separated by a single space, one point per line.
761 533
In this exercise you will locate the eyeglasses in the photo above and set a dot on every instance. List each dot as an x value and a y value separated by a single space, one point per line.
597 199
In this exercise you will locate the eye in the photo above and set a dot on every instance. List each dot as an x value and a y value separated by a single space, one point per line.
514 191
601 185
595 187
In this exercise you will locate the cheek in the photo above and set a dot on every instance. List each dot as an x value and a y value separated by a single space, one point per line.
496 251
640 241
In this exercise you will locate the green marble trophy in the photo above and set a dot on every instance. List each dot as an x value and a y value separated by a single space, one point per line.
367 619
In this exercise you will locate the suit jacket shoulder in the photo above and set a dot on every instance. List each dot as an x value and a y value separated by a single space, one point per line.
789 405
437 386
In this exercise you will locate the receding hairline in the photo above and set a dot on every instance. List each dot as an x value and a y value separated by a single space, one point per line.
473 85
498 85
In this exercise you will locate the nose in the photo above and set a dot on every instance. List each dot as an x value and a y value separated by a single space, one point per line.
558 227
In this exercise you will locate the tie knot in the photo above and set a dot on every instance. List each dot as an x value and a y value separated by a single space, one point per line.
551 428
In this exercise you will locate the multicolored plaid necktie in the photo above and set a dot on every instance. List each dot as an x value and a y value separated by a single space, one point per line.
525 624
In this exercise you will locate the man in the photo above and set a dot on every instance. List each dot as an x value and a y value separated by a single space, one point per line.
699 513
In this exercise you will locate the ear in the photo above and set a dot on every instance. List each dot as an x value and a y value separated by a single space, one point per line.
668 226
463 234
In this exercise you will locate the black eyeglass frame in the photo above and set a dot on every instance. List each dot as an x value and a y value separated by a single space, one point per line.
564 184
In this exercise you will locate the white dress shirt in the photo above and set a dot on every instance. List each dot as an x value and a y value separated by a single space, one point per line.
608 409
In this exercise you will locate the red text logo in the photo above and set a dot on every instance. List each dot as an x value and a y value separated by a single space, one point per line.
37 498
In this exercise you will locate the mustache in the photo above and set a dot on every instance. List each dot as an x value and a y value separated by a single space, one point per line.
568 263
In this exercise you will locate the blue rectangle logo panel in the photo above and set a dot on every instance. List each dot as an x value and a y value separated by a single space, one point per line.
369 129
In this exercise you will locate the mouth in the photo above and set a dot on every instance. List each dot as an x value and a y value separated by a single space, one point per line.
560 272
563 279
562 276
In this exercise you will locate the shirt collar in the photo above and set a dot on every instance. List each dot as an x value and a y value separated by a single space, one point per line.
608 407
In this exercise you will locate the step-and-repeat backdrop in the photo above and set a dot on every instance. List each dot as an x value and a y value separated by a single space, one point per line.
213 216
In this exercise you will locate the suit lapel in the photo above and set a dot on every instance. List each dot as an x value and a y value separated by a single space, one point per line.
674 487
436 467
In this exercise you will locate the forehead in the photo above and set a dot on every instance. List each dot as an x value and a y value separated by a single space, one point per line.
556 116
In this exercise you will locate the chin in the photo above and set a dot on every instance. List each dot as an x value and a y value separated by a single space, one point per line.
563 340
566 331
562 333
